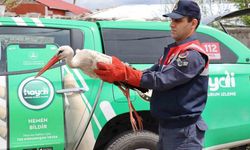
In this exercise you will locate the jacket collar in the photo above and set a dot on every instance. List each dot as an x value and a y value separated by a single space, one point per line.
189 39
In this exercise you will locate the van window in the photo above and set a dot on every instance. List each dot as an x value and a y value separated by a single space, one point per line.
135 46
146 46
34 35
226 55
31 35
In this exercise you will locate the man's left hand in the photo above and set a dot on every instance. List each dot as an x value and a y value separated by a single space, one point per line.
118 72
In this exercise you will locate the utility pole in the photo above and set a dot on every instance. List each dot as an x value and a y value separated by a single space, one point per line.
74 2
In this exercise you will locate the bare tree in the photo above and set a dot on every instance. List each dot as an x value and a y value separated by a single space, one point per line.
10 4
2 2
208 7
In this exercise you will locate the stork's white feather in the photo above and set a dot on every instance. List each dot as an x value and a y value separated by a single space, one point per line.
84 59
2 92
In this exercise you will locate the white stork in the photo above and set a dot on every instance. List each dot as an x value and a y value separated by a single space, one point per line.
86 61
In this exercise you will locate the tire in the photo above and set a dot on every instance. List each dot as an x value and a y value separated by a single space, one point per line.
239 148
143 140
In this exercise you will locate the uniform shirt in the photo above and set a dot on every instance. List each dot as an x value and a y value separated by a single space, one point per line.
179 89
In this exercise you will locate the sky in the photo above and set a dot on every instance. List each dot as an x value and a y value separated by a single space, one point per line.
209 9
101 4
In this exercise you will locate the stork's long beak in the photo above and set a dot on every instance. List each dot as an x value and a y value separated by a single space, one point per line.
51 62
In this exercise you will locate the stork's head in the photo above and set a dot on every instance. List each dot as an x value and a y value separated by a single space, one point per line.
62 53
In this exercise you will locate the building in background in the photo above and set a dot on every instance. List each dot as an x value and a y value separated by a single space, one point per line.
47 8
154 12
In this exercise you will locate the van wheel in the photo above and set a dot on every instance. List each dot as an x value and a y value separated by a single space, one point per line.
145 140
240 148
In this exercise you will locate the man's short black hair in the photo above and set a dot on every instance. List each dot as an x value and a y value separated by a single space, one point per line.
191 18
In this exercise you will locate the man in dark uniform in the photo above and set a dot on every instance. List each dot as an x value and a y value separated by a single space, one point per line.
179 82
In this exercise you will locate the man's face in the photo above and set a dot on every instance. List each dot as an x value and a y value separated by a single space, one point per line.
181 28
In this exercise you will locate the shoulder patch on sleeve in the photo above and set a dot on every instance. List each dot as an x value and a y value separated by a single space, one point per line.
183 54
181 60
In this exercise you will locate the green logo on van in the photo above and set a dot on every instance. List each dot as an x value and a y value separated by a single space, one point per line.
36 93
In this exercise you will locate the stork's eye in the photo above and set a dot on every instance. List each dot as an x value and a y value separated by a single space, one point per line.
59 52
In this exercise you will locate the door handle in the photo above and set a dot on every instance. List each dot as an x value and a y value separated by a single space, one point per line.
71 90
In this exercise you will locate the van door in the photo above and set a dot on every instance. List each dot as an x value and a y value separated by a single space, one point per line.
36 113
3 102
78 106
228 98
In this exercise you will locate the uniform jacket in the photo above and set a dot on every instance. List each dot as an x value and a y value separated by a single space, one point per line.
179 82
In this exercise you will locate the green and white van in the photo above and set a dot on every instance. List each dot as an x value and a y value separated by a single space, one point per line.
66 109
